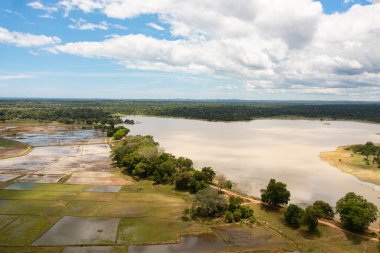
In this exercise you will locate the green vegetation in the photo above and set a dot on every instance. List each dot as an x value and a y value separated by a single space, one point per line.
355 212
275 194
118 132
311 218
323 210
294 215
10 148
208 203
368 150
141 157
236 212
100 111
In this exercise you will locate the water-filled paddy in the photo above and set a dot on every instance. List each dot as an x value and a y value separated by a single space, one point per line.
250 153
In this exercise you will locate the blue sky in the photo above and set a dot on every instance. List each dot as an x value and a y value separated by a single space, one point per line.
272 49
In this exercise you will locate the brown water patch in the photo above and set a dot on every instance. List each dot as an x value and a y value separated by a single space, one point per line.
104 188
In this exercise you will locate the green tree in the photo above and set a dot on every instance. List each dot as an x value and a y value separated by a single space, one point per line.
237 215
294 215
208 173
209 203
355 212
234 203
275 194
229 217
246 212
182 182
311 218
323 210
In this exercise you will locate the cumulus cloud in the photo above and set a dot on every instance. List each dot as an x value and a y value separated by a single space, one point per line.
269 45
40 6
26 39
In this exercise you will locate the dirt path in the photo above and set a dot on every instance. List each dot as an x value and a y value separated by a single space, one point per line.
324 222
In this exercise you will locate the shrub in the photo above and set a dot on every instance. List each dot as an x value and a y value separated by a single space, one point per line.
294 215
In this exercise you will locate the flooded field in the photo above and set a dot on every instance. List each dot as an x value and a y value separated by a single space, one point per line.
250 153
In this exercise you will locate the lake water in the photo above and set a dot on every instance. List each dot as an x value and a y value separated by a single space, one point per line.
251 153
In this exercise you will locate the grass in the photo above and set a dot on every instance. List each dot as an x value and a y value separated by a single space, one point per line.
351 163
34 207
150 230
24 230
36 195
325 240
10 148
151 214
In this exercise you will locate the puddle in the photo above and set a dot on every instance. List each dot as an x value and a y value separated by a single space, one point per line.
189 244
76 231
104 188
60 138
40 178
22 186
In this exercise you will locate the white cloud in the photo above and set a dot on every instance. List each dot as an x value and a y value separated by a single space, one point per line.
82 24
39 6
13 77
26 39
155 26
270 45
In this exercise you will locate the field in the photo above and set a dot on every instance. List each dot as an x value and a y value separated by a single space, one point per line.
69 198
349 162
10 148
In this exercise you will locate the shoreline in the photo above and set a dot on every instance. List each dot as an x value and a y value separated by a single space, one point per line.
345 162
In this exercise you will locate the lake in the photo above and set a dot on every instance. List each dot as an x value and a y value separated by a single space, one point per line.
251 153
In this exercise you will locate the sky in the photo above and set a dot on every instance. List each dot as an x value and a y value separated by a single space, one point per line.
191 49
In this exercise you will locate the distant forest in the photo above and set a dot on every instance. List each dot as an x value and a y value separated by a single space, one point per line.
101 111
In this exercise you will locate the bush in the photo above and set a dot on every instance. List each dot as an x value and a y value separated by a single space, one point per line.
209 203
355 212
294 215
237 215
311 218
234 203
275 194
246 212
229 217
323 210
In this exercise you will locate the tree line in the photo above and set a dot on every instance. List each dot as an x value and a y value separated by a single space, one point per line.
60 109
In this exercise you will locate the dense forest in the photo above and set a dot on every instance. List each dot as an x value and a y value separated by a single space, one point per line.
89 111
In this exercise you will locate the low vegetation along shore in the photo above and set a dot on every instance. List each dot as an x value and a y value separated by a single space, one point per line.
361 161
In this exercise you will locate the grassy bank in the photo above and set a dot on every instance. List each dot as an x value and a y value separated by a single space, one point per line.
354 164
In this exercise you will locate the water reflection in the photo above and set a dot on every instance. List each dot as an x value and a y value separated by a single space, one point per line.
250 153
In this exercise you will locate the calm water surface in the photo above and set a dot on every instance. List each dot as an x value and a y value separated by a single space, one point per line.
250 153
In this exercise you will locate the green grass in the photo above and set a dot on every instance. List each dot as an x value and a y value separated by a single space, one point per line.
150 230
34 207
31 249
5 143
24 230
325 240
36 195
95 196
81 208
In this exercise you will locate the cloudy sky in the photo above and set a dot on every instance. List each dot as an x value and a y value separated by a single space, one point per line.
245 49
